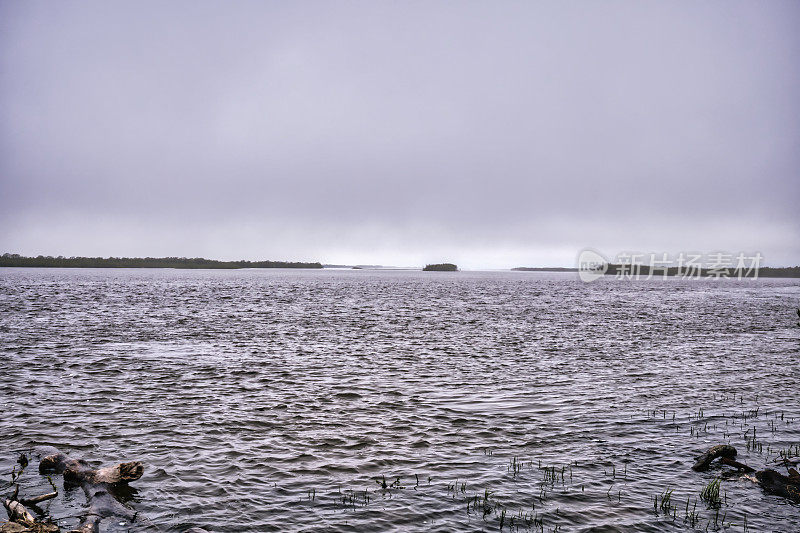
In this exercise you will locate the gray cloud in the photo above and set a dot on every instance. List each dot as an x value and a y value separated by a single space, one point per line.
495 133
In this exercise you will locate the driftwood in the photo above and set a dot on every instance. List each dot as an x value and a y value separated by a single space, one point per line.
17 512
21 521
99 485
704 461
769 480
780 485
78 471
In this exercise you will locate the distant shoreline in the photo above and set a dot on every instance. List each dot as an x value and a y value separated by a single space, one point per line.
544 269
645 270
14 260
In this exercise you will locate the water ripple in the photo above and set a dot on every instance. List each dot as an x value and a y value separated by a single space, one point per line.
377 401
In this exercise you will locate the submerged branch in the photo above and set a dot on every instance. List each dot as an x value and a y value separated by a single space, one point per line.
770 480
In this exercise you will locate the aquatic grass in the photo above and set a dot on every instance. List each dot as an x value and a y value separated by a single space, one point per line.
691 517
478 502
789 452
509 516
710 494
393 485
666 501
515 467
352 498
456 487
665 507
551 474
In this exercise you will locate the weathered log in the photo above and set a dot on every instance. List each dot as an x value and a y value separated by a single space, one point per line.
18 513
78 471
736 464
98 484
704 461
21 521
778 484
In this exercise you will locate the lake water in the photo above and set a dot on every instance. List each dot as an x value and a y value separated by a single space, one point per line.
283 400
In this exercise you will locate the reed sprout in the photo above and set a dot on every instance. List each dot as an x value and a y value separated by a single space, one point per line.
710 493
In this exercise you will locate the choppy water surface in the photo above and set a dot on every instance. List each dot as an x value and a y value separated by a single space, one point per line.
282 399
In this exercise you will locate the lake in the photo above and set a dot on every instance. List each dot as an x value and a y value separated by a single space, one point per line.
336 400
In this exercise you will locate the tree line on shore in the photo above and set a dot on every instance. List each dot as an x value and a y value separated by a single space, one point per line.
647 270
16 260
615 269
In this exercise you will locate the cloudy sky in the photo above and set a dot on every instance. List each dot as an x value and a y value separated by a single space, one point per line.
492 134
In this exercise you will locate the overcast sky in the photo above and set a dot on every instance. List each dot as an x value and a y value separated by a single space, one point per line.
492 134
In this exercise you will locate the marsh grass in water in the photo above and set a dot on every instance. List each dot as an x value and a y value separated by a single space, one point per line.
710 494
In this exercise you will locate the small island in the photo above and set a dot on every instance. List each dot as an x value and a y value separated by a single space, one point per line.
441 267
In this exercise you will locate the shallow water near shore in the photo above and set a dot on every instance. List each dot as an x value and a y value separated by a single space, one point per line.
280 400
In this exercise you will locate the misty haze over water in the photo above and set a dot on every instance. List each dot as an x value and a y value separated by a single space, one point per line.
262 389
490 135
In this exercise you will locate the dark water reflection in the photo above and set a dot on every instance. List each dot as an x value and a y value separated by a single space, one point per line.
280 400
